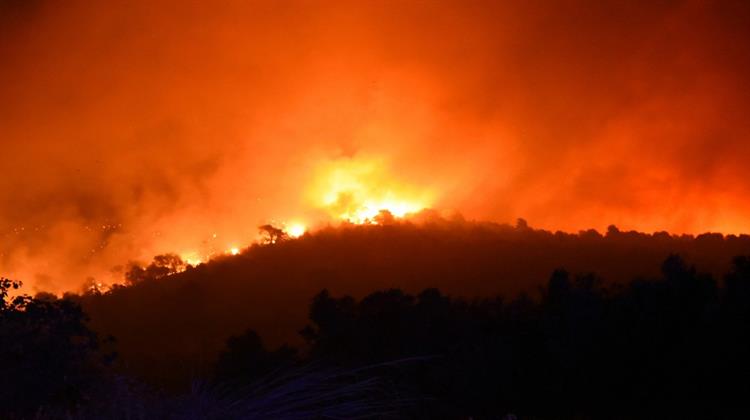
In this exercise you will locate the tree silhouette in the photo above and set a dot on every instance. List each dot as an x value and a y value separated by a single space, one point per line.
271 234
162 266
48 356
246 359
577 352
644 334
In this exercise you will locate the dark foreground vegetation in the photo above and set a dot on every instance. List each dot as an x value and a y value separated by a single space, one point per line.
675 344
170 331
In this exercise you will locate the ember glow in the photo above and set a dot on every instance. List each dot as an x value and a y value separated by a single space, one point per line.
357 190
295 230
157 127
192 258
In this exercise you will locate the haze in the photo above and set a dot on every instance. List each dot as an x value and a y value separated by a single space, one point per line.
133 128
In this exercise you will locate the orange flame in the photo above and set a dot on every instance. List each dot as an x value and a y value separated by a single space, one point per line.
356 190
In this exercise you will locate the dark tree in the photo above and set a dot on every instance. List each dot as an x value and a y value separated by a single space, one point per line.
245 359
48 357
161 266
272 234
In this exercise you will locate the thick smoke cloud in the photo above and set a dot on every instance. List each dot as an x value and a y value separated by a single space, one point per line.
133 128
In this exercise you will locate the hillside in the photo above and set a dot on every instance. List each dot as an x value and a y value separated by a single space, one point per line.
174 326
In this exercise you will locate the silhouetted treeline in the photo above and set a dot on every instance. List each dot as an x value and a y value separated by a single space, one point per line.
444 337
171 329
52 366
48 356
675 347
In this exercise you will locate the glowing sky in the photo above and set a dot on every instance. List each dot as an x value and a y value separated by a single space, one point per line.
138 127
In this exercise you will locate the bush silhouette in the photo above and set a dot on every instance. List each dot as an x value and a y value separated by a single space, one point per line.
455 322
48 356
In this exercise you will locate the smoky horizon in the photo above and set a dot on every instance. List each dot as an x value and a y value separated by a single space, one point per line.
133 129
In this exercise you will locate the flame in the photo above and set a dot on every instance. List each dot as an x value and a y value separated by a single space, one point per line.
353 190
367 212
295 230
191 258
357 190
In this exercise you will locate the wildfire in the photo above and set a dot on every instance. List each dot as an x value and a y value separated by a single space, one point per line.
295 230
192 258
357 190
195 258
354 190
369 210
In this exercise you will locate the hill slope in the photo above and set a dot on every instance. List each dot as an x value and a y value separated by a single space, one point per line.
180 322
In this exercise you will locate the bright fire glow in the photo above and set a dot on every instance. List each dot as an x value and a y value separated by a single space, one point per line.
191 258
356 190
367 212
295 230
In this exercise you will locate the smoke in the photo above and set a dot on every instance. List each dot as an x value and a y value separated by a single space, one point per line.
134 128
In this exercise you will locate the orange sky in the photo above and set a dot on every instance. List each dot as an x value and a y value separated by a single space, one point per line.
137 127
